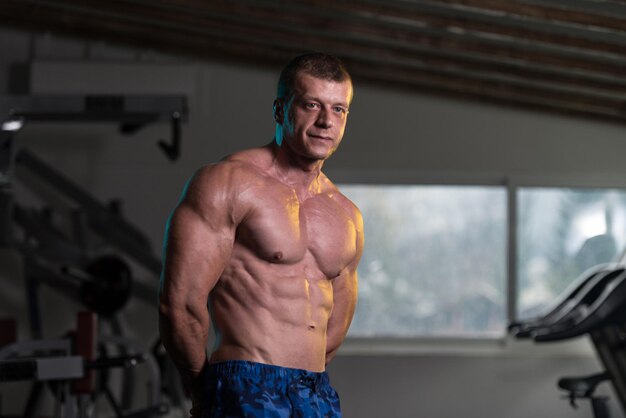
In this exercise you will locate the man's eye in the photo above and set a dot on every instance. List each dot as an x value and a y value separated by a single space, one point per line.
311 105
340 109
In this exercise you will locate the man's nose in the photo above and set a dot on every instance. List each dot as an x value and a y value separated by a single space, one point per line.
324 118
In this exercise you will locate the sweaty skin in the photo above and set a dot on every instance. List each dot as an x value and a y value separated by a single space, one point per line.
270 242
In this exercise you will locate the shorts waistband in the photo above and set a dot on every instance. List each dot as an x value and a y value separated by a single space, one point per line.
266 371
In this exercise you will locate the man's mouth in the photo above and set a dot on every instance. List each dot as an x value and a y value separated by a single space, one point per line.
323 137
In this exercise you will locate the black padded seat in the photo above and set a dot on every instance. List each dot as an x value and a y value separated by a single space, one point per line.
583 387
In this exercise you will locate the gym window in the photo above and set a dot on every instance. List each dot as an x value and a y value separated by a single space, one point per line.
434 263
562 233
437 261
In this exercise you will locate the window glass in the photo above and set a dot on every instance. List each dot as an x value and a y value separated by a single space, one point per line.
561 233
434 262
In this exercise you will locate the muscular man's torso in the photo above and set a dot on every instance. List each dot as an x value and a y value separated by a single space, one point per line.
273 300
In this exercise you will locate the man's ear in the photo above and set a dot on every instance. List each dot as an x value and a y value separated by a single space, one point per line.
278 111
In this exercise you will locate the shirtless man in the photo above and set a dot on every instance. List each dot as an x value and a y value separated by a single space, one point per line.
272 245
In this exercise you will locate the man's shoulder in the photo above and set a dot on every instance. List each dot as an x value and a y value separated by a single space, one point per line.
226 184
234 168
255 159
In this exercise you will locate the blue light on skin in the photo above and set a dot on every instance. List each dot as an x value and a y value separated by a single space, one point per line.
279 135
280 109
168 225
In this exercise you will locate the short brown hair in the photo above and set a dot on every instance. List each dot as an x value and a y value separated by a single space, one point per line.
316 64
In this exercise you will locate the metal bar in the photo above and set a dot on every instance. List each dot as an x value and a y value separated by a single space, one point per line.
154 374
31 346
110 226
93 207
50 240
34 401
98 107
512 277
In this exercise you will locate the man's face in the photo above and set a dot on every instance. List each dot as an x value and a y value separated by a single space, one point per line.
315 117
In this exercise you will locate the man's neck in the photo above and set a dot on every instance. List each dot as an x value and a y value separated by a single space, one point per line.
296 171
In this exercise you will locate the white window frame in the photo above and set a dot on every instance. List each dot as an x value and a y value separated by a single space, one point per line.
476 346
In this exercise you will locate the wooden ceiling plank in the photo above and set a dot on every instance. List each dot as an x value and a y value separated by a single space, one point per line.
477 66
598 7
535 14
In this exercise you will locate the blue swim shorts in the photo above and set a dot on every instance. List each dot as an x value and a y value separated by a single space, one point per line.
247 389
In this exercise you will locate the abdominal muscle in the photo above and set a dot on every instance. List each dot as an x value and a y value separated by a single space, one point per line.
271 313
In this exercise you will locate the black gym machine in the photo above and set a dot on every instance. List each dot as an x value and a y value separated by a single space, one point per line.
64 259
595 305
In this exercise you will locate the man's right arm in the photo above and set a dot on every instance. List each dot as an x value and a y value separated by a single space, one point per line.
199 240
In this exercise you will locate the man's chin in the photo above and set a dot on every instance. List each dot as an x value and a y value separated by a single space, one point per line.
321 155
313 154
315 157
322 152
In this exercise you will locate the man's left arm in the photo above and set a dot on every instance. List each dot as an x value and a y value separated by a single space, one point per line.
345 288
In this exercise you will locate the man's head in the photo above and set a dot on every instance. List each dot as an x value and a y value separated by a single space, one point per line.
311 108
319 65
